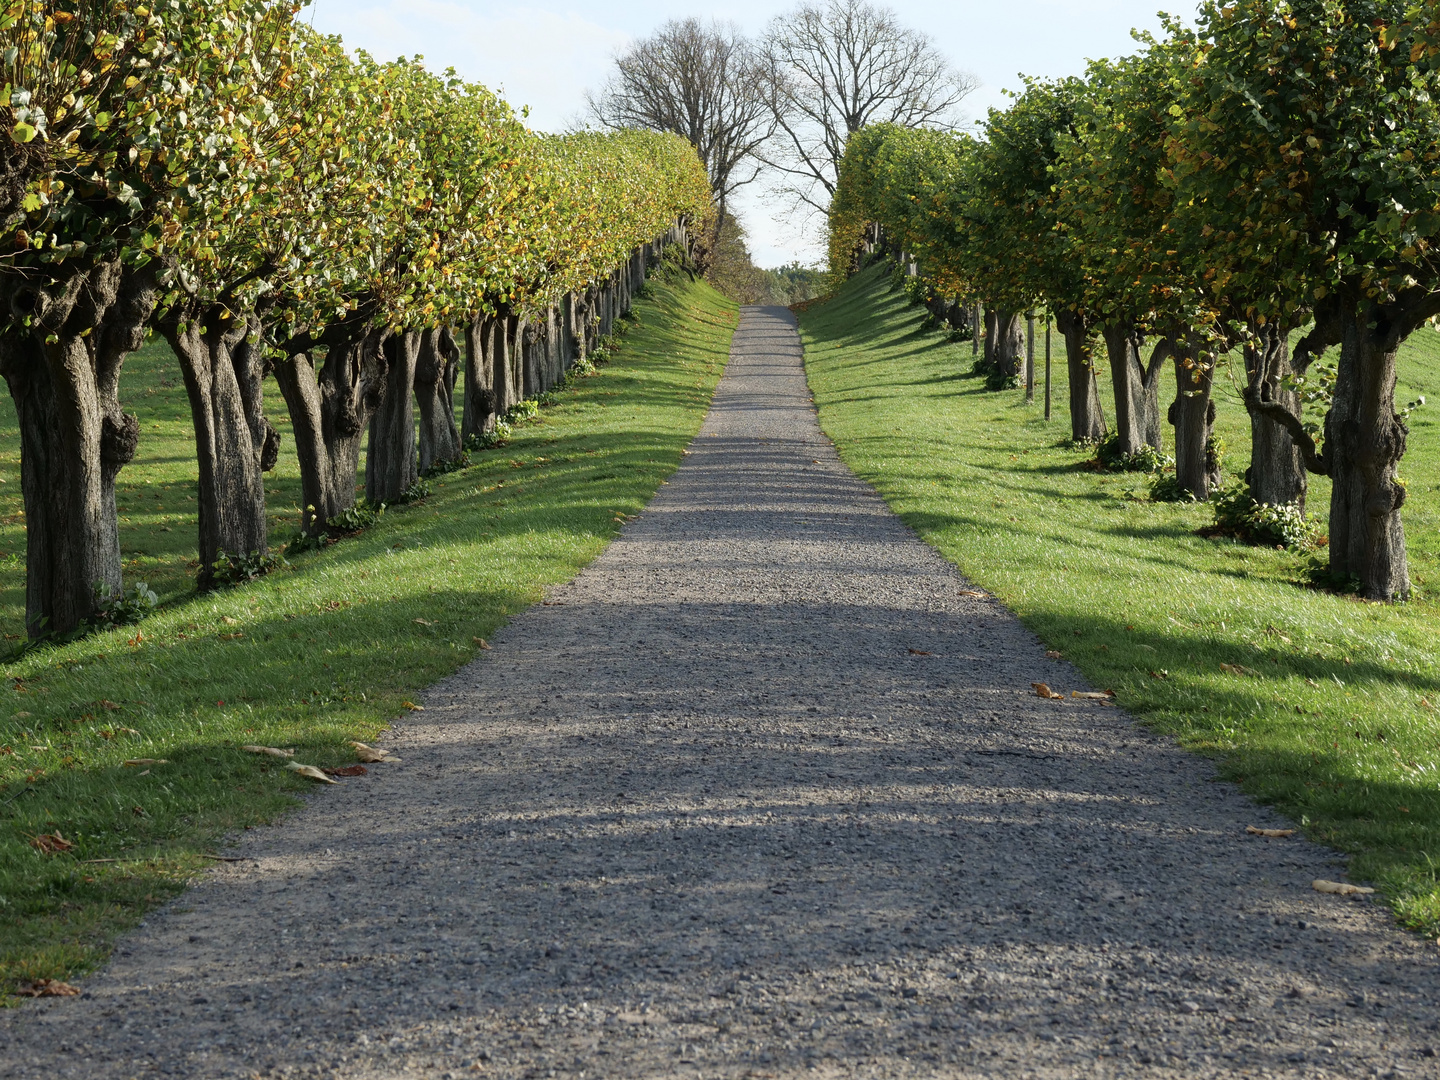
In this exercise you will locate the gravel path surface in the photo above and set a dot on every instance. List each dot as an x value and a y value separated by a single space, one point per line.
764 792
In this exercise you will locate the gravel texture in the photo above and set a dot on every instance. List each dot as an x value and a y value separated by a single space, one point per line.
764 792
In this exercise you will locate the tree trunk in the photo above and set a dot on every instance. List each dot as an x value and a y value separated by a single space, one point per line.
1364 441
63 372
1137 387
390 464
1277 473
223 367
1087 420
329 411
479 412
1197 469
435 370
1005 344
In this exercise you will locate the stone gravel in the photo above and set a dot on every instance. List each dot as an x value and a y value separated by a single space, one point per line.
764 792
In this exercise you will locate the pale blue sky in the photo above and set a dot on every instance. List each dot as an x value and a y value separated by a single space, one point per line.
546 55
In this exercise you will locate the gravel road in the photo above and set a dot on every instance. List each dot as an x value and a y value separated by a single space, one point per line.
763 793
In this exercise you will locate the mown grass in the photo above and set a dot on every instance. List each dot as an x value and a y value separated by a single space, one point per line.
325 651
1332 720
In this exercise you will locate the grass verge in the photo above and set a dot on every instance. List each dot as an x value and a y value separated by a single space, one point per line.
1328 707
307 657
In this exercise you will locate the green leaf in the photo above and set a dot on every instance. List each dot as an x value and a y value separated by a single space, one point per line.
22 132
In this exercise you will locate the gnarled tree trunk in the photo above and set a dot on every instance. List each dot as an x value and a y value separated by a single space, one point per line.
1197 469
478 415
329 411
1364 441
1137 387
224 366
435 372
64 373
1004 344
390 464
1277 474
1087 419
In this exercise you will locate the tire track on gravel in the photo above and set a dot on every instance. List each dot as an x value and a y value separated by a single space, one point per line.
763 792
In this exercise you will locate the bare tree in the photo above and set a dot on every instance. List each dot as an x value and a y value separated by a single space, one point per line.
701 82
831 69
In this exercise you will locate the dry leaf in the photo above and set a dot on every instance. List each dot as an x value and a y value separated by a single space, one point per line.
50 843
309 771
135 761
1053 654
1425 703
1253 831
228 621
46 988
1340 888
272 751
424 622
1099 695
412 706
347 770
971 592
231 637
481 642
371 754
920 652
1236 669
106 703
1041 690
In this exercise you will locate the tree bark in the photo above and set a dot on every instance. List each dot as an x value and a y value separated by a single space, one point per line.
478 416
1087 420
1277 474
329 411
1137 387
63 372
390 462
1004 344
224 366
1364 441
435 372
1192 414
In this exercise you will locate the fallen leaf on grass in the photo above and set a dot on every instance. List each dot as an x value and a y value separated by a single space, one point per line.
46 988
1253 831
1236 669
424 622
1041 690
309 771
481 642
137 761
231 637
412 706
50 843
1098 695
271 751
1054 654
1340 888
347 770
106 703
371 754
920 652
1425 703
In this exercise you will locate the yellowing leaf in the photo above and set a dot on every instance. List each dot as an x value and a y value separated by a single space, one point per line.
1044 691
1253 831
1340 888
310 771
272 751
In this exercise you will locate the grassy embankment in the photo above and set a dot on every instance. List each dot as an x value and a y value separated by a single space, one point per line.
1333 719
308 657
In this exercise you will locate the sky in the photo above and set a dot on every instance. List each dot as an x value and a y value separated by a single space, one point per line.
547 55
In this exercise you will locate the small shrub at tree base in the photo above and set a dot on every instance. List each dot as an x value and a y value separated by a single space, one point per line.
1318 575
415 492
521 411
1166 488
1237 514
238 569
443 466
581 369
1147 459
124 606
499 435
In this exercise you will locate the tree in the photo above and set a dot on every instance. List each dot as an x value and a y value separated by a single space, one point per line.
701 82
830 70
114 112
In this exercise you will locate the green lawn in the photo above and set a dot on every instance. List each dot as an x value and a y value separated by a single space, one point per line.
309 657
1332 718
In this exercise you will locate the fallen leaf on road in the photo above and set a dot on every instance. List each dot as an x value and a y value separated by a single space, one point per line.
920 652
309 771
1340 888
272 751
134 761
46 988
971 592
50 843
1053 654
1253 831
1041 690
371 754
347 770
481 642
412 706
1102 695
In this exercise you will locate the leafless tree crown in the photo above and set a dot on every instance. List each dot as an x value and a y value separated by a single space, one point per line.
831 69
702 82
